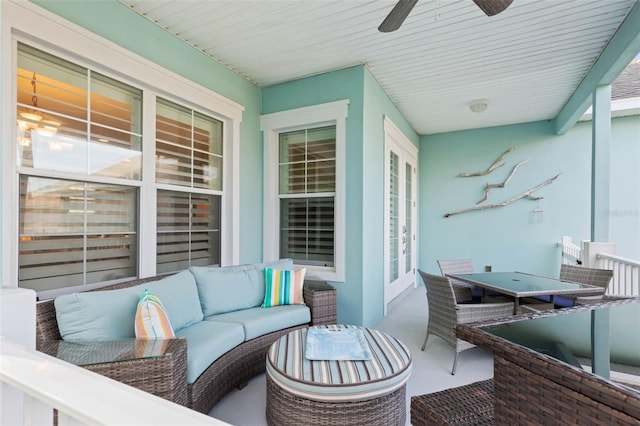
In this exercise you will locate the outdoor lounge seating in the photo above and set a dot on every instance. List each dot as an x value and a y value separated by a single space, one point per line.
222 331
528 387
445 313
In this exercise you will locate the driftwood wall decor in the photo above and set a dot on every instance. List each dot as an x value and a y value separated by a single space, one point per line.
525 194
490 186
491 168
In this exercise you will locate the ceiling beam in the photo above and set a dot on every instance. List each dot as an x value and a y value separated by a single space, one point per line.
621 50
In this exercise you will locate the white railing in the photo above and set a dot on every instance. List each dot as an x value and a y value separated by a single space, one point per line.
626 275
626 272
33 384
570 252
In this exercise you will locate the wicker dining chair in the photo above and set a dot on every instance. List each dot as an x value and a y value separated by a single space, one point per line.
462 290
582 275
445 313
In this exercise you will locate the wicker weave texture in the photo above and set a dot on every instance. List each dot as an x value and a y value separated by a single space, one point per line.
285 409
591 276
523 396
464 405
445 313
321 299
533 387
164 376
461 289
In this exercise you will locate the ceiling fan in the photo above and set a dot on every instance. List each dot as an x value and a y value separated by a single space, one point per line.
401 10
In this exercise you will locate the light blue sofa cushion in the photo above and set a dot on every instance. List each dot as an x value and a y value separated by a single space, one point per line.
260 321
206 342
98 315
179 295
110 314
232 288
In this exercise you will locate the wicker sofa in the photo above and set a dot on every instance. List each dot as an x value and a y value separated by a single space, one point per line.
529 387
244 331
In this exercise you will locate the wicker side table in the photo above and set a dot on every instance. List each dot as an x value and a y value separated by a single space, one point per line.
323 306
328 392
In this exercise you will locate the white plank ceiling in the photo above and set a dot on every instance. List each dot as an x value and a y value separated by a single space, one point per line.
526 61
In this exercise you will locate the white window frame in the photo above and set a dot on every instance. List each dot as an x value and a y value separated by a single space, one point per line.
332 113
28 23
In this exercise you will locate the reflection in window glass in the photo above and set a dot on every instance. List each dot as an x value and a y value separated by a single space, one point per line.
74 233
73 120
188 147
307 163
188 230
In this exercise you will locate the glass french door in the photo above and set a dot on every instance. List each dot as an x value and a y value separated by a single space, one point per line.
400 213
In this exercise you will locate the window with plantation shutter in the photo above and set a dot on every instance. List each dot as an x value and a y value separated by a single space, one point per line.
189 175
307 191
72 121
114 181
74 233
304 164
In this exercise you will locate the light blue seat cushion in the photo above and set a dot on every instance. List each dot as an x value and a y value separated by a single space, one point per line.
231 288
98 315
110 314
206 342
179 295
260 321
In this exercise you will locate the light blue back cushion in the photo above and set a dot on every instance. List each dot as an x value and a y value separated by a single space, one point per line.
179 295
98 315
231 288
110 315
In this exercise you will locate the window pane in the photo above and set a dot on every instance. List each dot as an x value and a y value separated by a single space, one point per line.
308 161
293 146
54 119
188 147
307 230
72 233
188 230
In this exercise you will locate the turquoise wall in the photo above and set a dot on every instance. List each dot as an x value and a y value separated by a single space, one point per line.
377 105
624 215
510 237
360 297
119 24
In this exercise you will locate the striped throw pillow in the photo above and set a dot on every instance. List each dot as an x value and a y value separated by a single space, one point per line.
283 287
152 321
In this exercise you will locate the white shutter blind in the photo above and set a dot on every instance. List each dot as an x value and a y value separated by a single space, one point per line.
188 230
408 232
307 195
74 233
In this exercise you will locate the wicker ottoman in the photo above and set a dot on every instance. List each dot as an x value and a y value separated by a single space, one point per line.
305 392
467 405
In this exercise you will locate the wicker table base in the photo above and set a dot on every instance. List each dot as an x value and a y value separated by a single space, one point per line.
285 409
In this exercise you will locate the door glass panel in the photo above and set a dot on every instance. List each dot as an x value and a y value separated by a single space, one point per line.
408 228
394 219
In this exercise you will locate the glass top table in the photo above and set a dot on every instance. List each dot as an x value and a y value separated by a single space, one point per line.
521 284
93 353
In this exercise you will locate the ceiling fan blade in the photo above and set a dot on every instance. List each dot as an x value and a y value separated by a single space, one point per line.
396 17
493 7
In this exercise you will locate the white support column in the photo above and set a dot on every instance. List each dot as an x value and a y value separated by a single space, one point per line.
600 165
18 324
591 249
